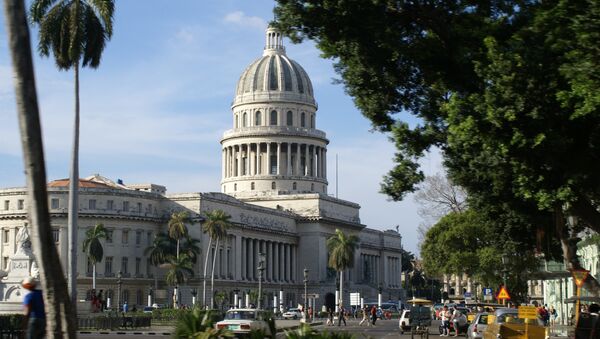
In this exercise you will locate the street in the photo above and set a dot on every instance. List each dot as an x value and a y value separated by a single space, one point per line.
382 329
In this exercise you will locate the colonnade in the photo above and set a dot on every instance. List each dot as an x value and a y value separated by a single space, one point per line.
274 158
393 271
369 268
280 260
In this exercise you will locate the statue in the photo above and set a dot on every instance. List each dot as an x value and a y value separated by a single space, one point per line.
23 242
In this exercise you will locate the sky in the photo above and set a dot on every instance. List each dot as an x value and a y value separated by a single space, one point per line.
156 108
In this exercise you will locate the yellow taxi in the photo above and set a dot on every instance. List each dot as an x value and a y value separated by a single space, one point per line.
509 323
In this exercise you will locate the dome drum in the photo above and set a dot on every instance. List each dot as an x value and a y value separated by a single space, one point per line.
273 186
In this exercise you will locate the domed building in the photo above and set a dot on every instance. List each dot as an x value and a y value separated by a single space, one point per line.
274 187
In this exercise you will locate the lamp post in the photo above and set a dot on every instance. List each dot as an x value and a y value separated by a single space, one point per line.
379 290
194 293
149 295
505 262
305 292
119 283
260 268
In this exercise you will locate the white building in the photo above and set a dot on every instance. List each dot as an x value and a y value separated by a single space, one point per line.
274 187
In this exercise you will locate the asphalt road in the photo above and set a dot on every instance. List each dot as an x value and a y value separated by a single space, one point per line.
382 329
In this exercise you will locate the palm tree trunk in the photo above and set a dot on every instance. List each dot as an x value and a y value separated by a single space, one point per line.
205 266
73 210
59 312
94 277
212 276
341 302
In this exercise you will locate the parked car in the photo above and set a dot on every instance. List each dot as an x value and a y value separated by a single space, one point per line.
506 324
244 320
404 322
477 327
292 313
149 309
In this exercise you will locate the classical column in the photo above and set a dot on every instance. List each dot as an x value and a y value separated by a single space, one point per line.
293 263
276 261
244 258
313 157
237 264
257 161
286 267
239 160
325 163
247 160
297 164
278 158
268 158
223 163
288 167
281 262
272 255
231 162
268 260
251 262
306 160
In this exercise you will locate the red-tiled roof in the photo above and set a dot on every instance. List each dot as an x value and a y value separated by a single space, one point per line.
82 183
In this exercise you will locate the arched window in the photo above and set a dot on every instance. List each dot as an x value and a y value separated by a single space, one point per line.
138 297
235 187
294 186
245 120
273 185
257 118
125 296
236 123
273 121
302 120
312 121
252 186
290 121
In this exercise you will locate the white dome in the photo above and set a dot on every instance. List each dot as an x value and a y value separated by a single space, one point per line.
274 77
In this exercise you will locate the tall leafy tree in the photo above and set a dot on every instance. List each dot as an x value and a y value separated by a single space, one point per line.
60 313
341 249
507 90
93 247
75 32
216 225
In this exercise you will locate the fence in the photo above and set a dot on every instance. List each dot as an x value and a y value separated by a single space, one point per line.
113 322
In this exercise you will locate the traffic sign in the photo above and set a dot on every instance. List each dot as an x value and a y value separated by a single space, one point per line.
527 312
579 276
503 294
488 293
468 295
354 299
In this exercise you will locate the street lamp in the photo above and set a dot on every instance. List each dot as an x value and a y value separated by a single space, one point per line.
149 295
194 293
119 283
305 292
505 261
379 290
236 297
261 268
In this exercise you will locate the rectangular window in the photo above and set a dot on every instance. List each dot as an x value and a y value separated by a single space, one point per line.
109 205
149 238
139 207
20 204
56 234
108 269
109 236
5 263
6 205
148 267
125 237
126 206
6 235
124 262
138 264
54 204
138 237
92 204
149 208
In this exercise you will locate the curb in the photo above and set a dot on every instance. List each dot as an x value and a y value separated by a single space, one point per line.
144 333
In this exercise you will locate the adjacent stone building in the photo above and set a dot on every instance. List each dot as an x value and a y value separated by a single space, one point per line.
274 187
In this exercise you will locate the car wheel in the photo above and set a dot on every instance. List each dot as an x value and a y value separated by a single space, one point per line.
295 317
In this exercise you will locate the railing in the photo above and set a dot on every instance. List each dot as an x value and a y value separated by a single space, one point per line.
300 131
113 322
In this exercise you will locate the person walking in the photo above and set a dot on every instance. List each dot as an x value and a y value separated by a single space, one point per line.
35 316
373 315
445 317
365 316
342 316
329 317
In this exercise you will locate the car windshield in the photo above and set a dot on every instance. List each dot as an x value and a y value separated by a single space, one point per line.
510 318
240 315
293 310
483 319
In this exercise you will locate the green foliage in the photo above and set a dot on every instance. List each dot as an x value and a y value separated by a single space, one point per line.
216 224
92 245
341 249
307 332
176 226
179 269
198 324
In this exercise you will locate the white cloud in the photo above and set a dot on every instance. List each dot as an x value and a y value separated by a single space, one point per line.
243 20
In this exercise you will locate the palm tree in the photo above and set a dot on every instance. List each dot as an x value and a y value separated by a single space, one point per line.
216 225
191 248
341 254
60 314
177 228
76 31
93 247
180 268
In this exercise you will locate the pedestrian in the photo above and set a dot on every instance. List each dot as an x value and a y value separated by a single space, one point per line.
342 316
445 317
553 315
329 317
458 320
373 315
365 316
125 307
35 316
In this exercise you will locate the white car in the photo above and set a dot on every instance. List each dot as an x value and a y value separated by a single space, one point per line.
244 320
479 325
292 313
404 322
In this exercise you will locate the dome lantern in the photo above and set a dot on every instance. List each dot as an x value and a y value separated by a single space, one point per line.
274 42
